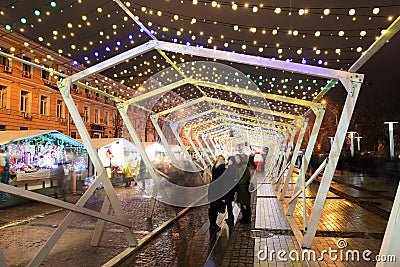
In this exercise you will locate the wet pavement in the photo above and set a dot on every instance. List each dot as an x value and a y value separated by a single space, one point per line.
355 214
347 218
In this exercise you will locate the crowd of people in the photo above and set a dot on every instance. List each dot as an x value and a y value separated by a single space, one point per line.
236 171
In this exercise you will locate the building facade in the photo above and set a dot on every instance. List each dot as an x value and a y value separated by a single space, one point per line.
30 100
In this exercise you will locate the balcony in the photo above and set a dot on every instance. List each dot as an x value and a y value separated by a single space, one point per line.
26 74
7 69
27 115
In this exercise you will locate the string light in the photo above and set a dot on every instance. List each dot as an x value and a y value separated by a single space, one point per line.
251 46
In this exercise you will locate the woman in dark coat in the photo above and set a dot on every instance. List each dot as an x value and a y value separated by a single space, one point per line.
231 178
243 194
216 172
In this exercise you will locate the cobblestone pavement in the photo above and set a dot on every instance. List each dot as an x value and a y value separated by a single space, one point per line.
188 242
74 249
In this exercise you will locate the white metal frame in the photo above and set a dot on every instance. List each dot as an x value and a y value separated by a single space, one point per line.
351 81
183 147
110 198
287 149
282 191
391 242
154 120
353 88
319 113
204 138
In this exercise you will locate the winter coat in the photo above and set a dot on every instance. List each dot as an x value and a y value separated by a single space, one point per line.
243 195
231 175
216 172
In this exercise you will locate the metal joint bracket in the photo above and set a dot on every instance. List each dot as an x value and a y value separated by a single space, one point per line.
317 108
64 86
122 106
350 81
154 117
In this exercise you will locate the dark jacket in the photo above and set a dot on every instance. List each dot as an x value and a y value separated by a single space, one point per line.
231 180
243 195
216 172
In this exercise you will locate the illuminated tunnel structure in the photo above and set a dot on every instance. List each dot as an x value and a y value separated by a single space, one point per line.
219 109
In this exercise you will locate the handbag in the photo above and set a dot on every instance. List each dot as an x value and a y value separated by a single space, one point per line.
252 185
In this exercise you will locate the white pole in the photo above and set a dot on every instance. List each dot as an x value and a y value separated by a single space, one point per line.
391 239
358 142
391 140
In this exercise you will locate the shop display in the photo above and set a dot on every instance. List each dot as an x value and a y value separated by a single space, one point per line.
116 154
34 155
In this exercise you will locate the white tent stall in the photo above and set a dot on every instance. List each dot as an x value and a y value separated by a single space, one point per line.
115 153
155 151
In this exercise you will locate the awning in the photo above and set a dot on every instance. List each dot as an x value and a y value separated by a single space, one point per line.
14 136
104 142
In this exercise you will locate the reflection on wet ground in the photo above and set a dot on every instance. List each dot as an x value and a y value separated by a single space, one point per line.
356 210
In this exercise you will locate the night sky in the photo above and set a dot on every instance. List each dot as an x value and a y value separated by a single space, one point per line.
322 33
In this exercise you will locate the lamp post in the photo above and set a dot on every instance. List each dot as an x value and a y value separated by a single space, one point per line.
352 143
358 142
391 141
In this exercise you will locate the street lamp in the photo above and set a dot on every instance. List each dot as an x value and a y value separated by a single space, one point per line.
352 143
358 142
391 141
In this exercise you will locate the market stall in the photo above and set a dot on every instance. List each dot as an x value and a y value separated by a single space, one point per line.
155 151
32 159
116 154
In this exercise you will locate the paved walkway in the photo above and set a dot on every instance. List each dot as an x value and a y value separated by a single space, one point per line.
350 219
345 225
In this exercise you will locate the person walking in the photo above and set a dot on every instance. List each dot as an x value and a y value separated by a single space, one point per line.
231 177
251 164
243 194
142 173
60 178
128 174
258 161
217 170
